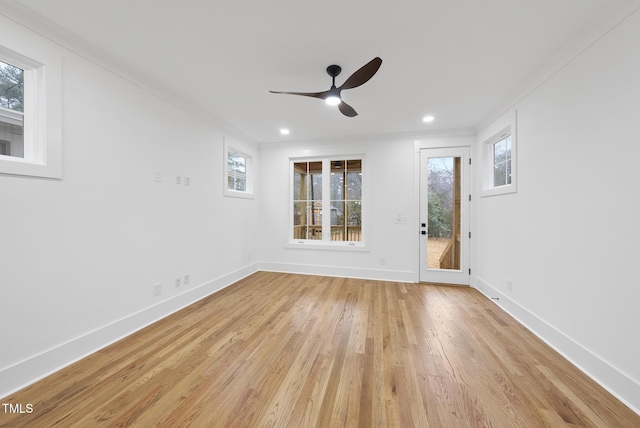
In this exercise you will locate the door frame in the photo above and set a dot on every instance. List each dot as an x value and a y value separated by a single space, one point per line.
466 141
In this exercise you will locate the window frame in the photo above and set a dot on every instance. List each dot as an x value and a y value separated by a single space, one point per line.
326 243
248 193
488 164
42 111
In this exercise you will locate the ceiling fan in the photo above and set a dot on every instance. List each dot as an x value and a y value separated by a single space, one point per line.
332 96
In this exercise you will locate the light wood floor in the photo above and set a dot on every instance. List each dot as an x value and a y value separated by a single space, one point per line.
306 351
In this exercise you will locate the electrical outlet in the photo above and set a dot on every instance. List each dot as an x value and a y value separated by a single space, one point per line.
178 179
186 279
382 261
158 177
178 282
186 181
157 289
509 285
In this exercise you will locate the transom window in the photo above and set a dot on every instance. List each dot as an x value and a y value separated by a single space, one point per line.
330 216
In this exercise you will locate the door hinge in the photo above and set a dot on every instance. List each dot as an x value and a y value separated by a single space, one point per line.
469 198
469 235
469 161
469 271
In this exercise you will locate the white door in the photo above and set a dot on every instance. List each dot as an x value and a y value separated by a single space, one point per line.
444 215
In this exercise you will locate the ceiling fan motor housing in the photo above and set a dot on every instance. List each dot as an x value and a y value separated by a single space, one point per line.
334 70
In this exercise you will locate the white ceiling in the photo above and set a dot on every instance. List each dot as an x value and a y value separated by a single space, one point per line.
456 60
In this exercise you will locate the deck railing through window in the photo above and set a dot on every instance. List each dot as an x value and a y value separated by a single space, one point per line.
338 233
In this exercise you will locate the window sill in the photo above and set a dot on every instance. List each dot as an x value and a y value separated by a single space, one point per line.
236 194
335 246
502 190
19 166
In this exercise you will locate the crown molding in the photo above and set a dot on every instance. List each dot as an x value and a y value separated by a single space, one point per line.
27 18
373 138
589 35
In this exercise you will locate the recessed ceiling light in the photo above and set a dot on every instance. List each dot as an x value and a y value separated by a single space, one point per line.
428 119
284 131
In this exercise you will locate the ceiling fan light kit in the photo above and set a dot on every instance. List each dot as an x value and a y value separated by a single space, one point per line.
333 95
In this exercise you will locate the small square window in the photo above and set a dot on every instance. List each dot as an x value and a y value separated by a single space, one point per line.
30 125
502 162
11 110
498 162
238 173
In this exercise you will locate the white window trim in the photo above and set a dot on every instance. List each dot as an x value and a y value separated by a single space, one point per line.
327 244
507 127
250 166
42 115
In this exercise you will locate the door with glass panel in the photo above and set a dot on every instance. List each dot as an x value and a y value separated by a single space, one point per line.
444 215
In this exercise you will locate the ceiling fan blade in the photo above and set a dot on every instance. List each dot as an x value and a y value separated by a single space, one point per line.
347 110
304 94
362 75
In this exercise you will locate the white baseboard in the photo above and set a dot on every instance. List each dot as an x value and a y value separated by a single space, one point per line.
30 370
340 271
620 385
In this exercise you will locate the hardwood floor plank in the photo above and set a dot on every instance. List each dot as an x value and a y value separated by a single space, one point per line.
296 351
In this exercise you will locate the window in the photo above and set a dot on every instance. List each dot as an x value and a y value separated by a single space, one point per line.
238 171
307 200
498 163
30 125
502 162
346 200
332 217
11 110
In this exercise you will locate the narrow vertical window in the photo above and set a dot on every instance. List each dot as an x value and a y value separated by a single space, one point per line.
11 110
346 200
237 172
307 200
499 161
502 162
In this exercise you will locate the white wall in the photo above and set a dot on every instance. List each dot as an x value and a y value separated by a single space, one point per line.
389 165
80 256
568 239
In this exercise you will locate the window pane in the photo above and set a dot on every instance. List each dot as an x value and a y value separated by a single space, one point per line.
508 147
346 213
337 180
354 213
240 184
509 172
11 111
499 151
237 172
337 213
299 220
307 198
499 175
11 87
315 180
